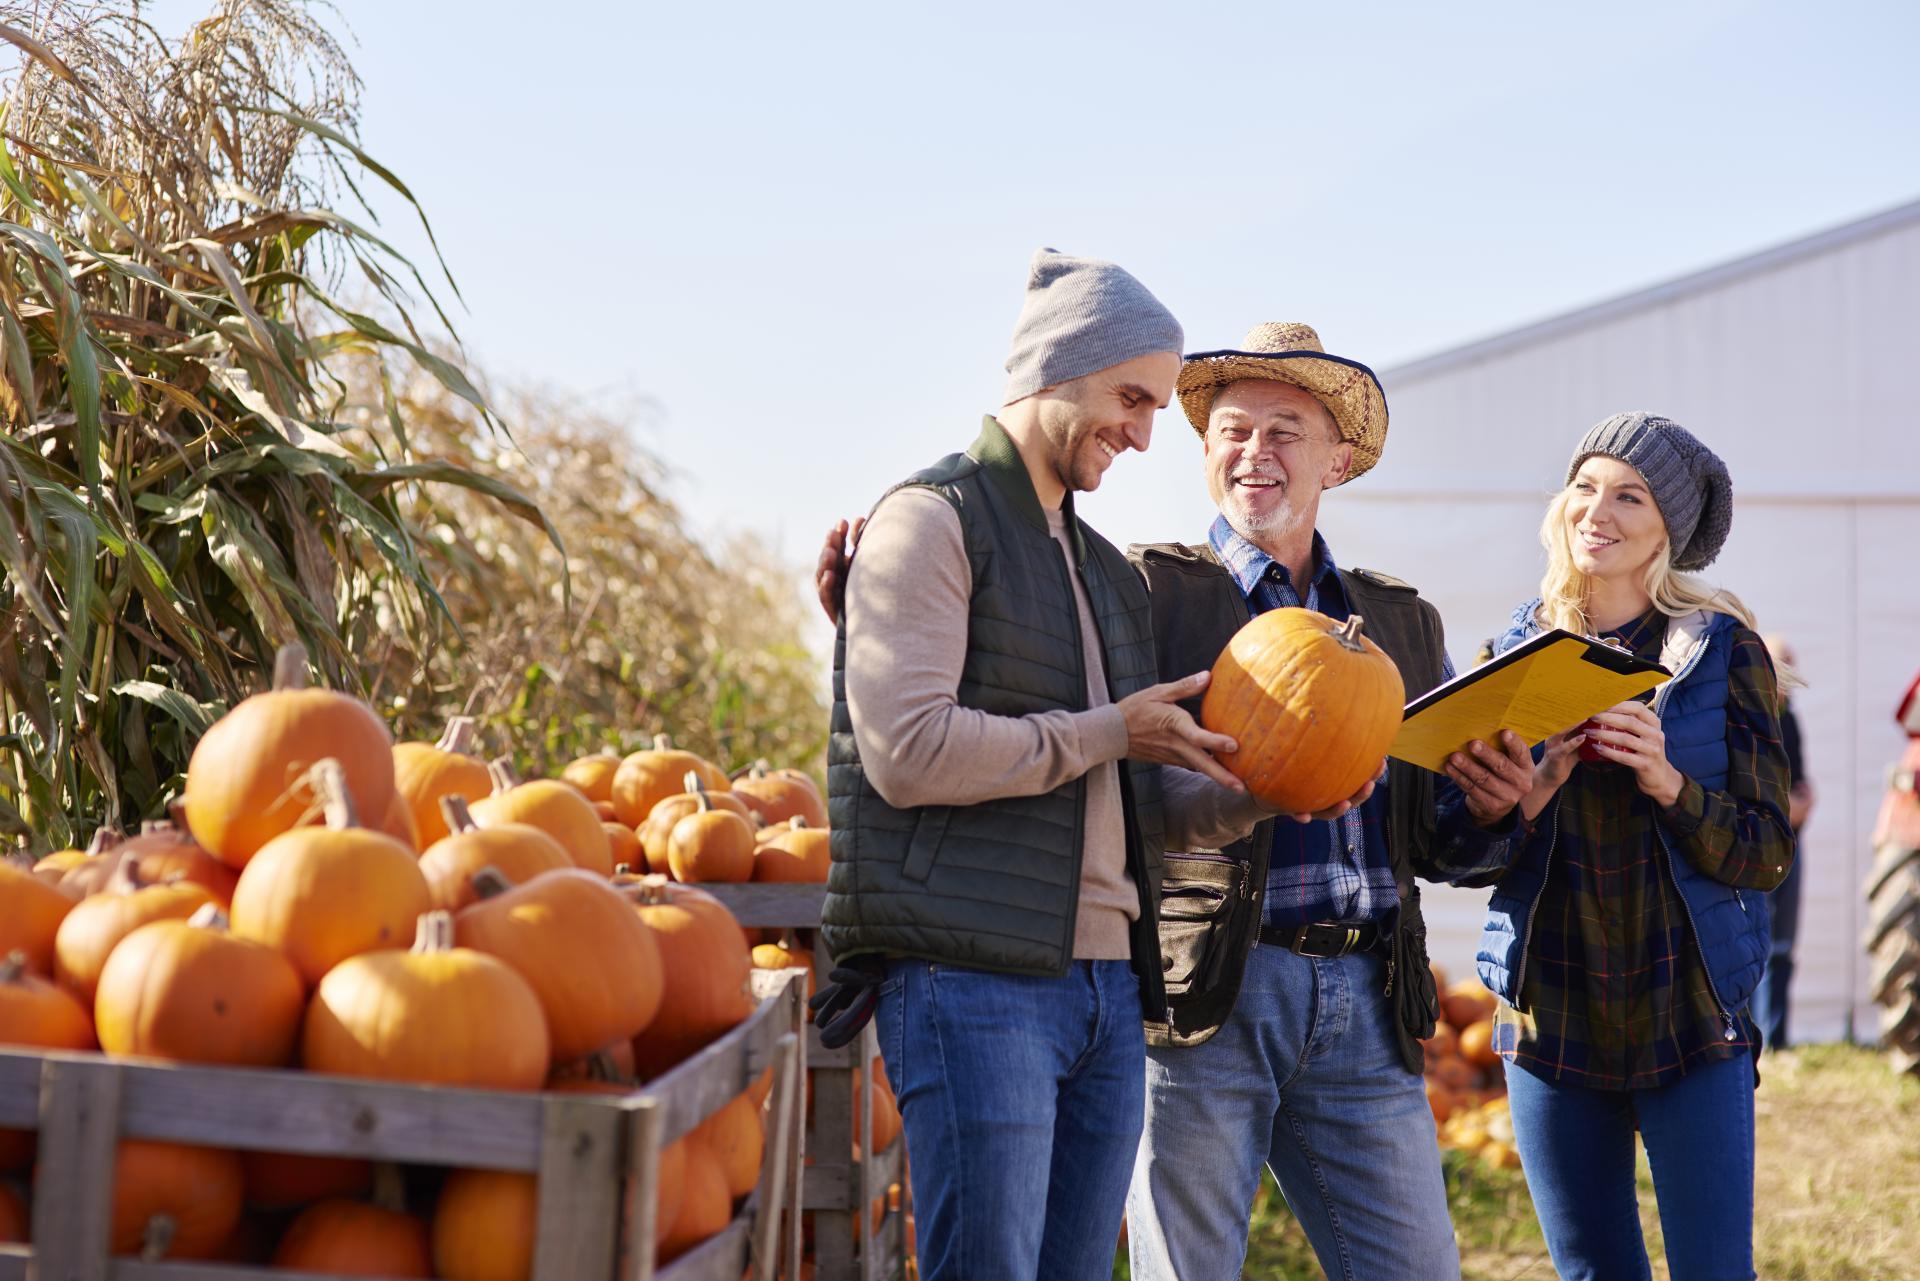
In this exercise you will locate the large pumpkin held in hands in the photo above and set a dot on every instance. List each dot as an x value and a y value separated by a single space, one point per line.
1311 703
247 781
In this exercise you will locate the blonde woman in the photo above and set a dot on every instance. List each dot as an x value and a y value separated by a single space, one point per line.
1627 934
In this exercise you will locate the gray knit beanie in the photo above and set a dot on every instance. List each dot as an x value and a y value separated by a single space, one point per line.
1081 315
1689 482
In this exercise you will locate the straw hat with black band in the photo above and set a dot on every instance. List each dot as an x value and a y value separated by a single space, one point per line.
1290 352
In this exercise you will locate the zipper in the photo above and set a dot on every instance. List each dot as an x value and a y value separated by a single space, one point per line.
1064 561
1526 936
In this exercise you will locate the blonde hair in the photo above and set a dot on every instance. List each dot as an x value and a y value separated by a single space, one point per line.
1565 591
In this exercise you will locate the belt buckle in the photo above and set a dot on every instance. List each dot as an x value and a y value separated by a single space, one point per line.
1301 945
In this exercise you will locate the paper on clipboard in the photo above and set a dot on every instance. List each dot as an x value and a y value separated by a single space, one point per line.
1538 689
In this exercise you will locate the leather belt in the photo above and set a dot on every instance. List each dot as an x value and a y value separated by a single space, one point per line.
1323 939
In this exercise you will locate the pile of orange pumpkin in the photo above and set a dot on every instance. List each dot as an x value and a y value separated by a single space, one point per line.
1466 1084
324 899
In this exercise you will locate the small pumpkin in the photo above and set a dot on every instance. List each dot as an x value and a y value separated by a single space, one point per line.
705 1205
1311 704
593 775
483 1226
710 845
439 1015
622 844
166 851
173 1200
778 795
1476 1044
30 914
779 956
249 779
424 774
82 872
517 851
737 1138
588 957
660 820
96 925
350 1238
191 991
799 851
706 965
1466 1002
648 777
604 811
555 808
36 1014
323 894
886 1108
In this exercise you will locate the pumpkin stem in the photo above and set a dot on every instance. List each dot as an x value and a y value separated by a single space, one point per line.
760 768
208 917
13 966
290 666
489 882
434 932
798 823
157 1238
505 777
651 889
663 742
1348 634
458 814
690 782
601 1067
703 803
389 1187
125 877
623 869
329 782
104 839
459 736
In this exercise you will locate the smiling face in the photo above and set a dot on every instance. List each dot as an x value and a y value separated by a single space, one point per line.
1271 448
1089 422
1613 528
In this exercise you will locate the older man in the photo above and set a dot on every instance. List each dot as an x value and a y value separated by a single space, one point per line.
997 798
1296 966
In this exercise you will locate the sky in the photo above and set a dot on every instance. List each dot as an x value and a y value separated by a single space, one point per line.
798 234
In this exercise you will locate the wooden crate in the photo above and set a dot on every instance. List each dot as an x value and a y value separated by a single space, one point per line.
840 1188
596 1156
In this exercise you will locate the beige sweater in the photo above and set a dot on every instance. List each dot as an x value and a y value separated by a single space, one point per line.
908 593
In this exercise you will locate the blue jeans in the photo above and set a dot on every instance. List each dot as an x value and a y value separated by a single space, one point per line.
1576 1145
1305 1076
1021 1101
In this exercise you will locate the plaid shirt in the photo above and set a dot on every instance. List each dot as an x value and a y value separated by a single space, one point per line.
1615 993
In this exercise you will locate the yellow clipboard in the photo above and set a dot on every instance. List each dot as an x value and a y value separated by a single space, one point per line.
1538 689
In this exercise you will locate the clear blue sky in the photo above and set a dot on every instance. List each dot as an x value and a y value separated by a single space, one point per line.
802 230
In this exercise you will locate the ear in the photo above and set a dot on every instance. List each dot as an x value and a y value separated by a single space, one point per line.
1338 463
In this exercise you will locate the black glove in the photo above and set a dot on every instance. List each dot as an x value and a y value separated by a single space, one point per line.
843 1006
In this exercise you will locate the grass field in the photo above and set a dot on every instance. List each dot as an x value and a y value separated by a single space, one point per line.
1837 1184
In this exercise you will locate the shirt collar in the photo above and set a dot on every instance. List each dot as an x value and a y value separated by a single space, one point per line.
1248 564
1645 633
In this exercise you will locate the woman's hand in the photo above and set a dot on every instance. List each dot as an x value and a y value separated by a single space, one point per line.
1556 766
1630 735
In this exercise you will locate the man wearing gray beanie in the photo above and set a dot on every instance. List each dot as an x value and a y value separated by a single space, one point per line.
1004 770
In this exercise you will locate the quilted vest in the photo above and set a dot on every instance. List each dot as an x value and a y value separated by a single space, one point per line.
996 886
1729 925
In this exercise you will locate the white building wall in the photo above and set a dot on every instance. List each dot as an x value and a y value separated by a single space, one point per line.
1797 367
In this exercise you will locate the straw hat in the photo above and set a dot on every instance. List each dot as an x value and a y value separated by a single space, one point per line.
1291 353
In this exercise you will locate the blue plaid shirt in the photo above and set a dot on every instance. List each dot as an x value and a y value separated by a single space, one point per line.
1327 871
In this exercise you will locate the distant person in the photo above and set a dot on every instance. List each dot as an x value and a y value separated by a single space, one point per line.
1628 934
1893 898
1783 905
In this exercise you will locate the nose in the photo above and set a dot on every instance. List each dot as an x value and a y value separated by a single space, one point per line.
1140 434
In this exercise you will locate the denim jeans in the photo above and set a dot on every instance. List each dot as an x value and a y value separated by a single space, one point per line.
1021 1101
1576 1145
1305 1076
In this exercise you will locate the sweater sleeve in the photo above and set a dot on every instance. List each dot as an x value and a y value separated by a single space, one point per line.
1739 834
1203 815
909 589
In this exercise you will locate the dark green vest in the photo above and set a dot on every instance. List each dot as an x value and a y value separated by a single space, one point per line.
996 886
1211 910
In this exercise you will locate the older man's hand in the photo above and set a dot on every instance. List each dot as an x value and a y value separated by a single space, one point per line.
830 571
1493 781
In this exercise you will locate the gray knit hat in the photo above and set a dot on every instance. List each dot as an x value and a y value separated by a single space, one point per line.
1082 315
1689 482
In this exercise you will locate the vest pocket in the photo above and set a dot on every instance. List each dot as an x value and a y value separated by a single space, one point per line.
1197 901
929 829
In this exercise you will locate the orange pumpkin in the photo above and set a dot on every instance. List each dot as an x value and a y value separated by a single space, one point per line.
778 795
173 1200
1441 1101
623 845
555 808
778 956
30 914
426 773
1476 1044
1443 1042
707 966
593 775
646 778
439 1015
323 894
283 1180
1311 704
604 811
52 867
483 1226
249 779
356 1239
710 845
705 1206
798 851
79 873
189 990
166 851
1467 1002
612 1065
886 1109
589 958
737 1137
515 850
96 925
36 1014
398 823
668 812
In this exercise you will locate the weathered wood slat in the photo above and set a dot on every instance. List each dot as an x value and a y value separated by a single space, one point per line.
20 1091
700 1086
14 1260
769 906
79 1139
579 1206
136 1270
643 1174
